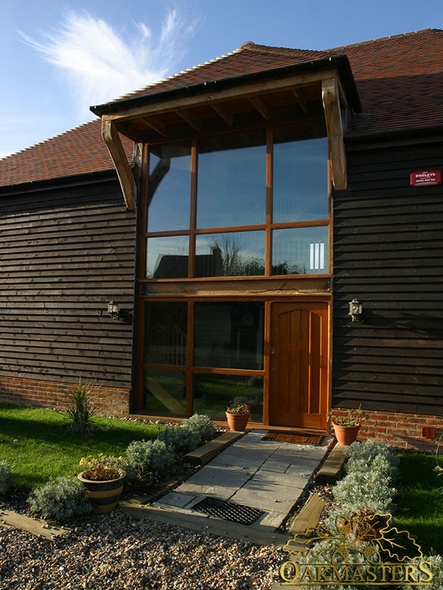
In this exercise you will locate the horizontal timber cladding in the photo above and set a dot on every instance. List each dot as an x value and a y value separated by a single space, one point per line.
388 253
65 251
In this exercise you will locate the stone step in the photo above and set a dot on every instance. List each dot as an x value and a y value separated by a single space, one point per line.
332 468
211 449
308 516
202 523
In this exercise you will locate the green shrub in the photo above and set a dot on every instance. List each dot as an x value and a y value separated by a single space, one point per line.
326 552
364 490
60 499
146 456
5 478
372 467
364 454
180 439
202 425
80 408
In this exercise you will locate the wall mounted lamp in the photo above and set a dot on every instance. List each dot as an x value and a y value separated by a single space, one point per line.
355 310
113 310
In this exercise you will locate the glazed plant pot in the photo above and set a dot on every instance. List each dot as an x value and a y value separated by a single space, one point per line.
346 435
237 422
104 495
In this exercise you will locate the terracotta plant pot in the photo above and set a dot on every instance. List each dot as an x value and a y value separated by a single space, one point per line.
346 435
237 422
104 495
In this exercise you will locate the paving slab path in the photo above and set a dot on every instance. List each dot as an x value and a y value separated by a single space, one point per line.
267 475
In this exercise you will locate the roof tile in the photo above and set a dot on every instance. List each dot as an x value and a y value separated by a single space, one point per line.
399 79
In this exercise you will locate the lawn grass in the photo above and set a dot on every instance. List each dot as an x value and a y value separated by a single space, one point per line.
38 444
420 500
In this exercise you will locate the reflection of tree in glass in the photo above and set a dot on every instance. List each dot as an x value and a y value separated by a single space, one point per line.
231 261
285 268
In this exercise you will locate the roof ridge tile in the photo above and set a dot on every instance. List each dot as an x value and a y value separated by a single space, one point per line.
387 38
269 49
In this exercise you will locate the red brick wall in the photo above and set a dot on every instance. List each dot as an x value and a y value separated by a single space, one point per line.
404 431
109 401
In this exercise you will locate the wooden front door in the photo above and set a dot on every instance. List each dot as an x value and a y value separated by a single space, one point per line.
299 365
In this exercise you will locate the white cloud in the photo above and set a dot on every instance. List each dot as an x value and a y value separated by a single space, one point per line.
101 65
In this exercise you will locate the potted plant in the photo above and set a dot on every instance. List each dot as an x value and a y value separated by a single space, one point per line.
103 479
237 416
347 425
253 402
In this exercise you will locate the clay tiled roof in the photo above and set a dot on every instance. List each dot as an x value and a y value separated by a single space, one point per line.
399 80
249 59
79 151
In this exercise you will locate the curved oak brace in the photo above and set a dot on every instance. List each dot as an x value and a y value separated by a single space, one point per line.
334 126
118 155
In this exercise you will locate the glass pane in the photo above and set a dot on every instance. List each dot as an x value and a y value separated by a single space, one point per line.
301 250
229 334
169 187
300 180
230 254
165 332
231 187
167 258
213 393
165 392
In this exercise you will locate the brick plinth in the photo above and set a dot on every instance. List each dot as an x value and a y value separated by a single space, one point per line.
404 431
108 401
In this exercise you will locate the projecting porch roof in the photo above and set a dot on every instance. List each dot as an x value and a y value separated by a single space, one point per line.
315 93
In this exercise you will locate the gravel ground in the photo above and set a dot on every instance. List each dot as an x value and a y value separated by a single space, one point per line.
116 551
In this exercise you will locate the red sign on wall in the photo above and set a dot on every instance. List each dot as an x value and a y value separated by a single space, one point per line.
425 178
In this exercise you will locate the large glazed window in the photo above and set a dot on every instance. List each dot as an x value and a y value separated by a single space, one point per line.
300 251
167 257
231 189
230 254
205 363
252 203
169 186
300 180
165 333
229 335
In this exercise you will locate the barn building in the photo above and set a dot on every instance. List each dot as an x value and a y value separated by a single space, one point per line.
265 225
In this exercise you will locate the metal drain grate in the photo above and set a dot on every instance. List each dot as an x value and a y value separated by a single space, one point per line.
228 511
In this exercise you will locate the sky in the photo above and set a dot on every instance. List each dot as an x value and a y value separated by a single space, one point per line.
59 57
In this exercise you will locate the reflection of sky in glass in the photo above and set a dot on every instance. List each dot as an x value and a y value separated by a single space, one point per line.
164 250
169 207
232 187
301 180
300 251
241 253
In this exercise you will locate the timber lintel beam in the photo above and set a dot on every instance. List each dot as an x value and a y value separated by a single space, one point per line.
219 98
334 126
118 155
